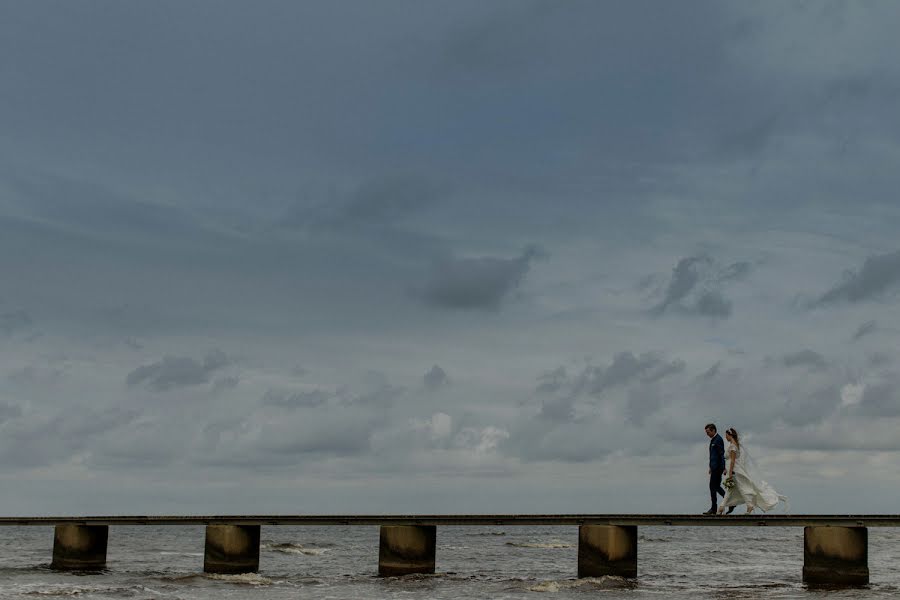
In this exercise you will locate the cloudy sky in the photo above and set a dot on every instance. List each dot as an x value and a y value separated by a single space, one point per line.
423 256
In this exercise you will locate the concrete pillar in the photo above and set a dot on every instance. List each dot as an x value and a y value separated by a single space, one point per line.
836 555
406 549
231 549
607 550
80 547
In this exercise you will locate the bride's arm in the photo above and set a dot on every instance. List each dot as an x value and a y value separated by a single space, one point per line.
731 465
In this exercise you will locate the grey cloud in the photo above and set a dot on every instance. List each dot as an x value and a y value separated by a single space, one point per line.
14 322
813 407
562 408
570 441
133 343
805 358
382 396
626 368
695 287
711 372
477 283
735 271
713 304
559 409
551 381
303 399
317 431
435 379
382 201
879 359
46 439
878 275
865 329
32 374
389 200
881 400
685 277
176 371
643 402
750 140
168 373
86 205
226 383
9 411
216 359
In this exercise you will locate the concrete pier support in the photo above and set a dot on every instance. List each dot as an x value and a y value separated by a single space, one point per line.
607 550
836 555
231 549
80 547
406 549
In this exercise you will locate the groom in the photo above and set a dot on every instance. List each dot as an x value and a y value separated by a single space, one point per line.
716 466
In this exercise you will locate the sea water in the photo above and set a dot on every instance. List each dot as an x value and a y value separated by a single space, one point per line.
166 562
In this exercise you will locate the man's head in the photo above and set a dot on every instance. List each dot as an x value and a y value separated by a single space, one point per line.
710 429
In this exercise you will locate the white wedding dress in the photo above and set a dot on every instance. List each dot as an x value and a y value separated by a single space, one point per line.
749 487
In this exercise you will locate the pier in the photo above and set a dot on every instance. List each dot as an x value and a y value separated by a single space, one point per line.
835 547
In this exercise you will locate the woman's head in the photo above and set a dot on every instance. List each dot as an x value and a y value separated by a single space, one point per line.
732 435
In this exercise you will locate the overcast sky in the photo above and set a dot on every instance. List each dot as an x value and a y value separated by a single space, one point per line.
425 256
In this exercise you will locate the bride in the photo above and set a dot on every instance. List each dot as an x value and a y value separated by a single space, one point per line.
748 487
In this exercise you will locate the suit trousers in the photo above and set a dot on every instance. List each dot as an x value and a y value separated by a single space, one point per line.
715 485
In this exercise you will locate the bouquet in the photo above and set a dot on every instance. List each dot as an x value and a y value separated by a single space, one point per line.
728 483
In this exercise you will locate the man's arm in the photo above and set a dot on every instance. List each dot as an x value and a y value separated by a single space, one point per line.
719 446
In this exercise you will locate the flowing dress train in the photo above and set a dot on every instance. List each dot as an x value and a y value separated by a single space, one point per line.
749 487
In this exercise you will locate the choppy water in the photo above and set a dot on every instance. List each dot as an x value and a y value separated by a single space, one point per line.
472 562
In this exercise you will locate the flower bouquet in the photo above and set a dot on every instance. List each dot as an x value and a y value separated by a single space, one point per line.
728 483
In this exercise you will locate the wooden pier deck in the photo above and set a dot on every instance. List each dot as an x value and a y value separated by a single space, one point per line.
643 520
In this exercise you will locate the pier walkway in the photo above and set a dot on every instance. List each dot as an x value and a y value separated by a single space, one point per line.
835 546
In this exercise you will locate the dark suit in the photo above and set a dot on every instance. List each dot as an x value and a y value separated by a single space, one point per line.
716 467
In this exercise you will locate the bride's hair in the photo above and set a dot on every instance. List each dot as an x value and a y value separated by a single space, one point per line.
734 435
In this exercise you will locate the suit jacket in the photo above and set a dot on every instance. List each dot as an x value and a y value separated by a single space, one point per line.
717 453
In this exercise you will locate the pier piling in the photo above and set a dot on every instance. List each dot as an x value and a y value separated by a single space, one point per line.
406 549
607 550
79 547
836 555
231 549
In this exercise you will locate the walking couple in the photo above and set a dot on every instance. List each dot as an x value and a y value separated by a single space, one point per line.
743 482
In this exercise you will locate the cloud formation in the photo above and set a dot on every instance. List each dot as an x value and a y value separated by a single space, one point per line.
15 322
172 372
805 358
435 379
879 274
626 368
696 287
865 329
477 283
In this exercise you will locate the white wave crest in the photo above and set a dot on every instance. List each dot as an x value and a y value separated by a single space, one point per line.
253 579
552 544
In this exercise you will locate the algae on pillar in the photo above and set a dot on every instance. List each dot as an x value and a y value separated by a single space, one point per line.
836 555
231 549
406 549
607 550
80 547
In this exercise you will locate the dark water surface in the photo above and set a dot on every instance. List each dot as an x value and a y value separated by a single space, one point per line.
473 562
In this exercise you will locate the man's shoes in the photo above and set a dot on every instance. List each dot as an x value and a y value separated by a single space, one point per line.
730 510
711 511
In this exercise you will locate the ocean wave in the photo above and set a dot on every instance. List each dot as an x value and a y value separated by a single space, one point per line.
67 590
486 533
552 544
607 581
289 548
252 579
